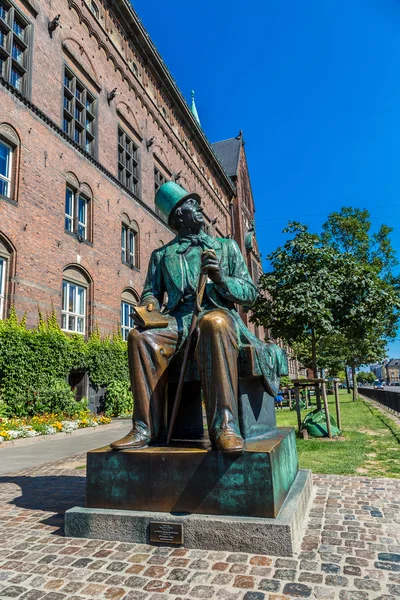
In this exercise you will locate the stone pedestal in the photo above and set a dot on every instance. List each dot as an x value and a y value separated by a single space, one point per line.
195 481
255 502
275 537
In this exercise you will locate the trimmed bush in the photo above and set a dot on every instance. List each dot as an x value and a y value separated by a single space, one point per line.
35 363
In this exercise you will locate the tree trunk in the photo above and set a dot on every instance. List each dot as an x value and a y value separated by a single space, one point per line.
315 368
347 379
354 373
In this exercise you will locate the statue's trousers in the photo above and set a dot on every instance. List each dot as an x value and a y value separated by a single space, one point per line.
150 352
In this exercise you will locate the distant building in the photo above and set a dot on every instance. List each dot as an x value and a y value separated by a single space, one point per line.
379 370
393 370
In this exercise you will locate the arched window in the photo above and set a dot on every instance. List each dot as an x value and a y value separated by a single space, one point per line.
94 9
129 299
6 255
78 205
9 162
130 252
75 291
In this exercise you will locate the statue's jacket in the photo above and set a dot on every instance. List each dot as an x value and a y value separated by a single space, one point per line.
166 275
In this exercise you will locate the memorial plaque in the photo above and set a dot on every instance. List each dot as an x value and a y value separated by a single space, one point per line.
166 533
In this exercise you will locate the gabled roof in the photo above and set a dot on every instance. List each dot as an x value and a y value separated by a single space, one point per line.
393 362
228 152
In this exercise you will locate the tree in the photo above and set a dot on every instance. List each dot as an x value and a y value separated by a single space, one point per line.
366 377
333 298
300 293
349 232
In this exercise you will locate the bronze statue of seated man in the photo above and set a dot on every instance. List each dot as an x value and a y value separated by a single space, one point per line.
175 269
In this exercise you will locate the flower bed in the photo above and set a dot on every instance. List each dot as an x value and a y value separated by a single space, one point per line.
48 424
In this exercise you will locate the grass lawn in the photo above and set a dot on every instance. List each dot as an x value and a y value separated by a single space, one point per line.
370 442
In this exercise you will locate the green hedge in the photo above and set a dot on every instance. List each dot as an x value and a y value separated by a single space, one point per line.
35 363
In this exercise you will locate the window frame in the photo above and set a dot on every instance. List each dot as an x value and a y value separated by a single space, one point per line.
125 328
15 38
94 9
77 114
123 163
129 255
66 285
77 226
3 280
8 179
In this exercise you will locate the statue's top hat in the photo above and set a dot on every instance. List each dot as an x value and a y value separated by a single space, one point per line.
170 195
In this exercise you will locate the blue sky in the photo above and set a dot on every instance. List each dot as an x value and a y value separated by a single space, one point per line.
315 87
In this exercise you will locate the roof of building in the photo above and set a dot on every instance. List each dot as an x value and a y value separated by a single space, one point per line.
228 152
394 362
143 40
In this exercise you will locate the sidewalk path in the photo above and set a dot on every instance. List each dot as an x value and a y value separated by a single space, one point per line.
40 451
350 549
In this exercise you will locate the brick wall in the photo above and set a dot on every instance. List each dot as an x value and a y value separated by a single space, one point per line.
97 52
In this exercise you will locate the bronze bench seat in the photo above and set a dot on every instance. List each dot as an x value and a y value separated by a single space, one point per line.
256 406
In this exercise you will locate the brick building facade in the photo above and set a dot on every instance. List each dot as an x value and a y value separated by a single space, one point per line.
91 123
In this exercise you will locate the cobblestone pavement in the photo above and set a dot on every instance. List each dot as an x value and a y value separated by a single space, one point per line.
350 549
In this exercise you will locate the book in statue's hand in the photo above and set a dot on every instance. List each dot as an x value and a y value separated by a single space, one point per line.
148 317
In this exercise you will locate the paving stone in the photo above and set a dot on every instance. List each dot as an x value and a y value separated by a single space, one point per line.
222 579
32 595
311 577
336 580
12 591
297 590
202 591
330 568
367 584
254 596
324 593
353 595
269 585
289 574
243 581
387 566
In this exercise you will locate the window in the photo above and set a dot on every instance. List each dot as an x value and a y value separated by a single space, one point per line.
73 307
3 268
79 118
128 301
5 169
128 162
76 213
15 33
94 9
129 246
126 319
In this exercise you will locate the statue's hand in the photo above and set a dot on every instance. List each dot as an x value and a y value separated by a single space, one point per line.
211 266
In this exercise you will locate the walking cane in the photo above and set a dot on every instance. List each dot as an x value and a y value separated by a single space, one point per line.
199 298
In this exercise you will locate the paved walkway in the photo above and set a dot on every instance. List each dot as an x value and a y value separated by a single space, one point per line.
40 450
350 549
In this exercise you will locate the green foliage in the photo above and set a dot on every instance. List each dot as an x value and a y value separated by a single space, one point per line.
285 381
348 231
107 360
34 365
366 377
332 297
118 399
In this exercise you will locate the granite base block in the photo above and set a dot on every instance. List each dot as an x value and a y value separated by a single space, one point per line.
274 536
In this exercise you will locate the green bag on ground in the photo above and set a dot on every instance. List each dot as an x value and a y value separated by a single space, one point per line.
315 423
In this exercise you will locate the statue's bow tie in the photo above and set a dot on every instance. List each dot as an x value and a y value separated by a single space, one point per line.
193 240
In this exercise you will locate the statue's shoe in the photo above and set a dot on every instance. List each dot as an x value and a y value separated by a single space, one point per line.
136 439
229 442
